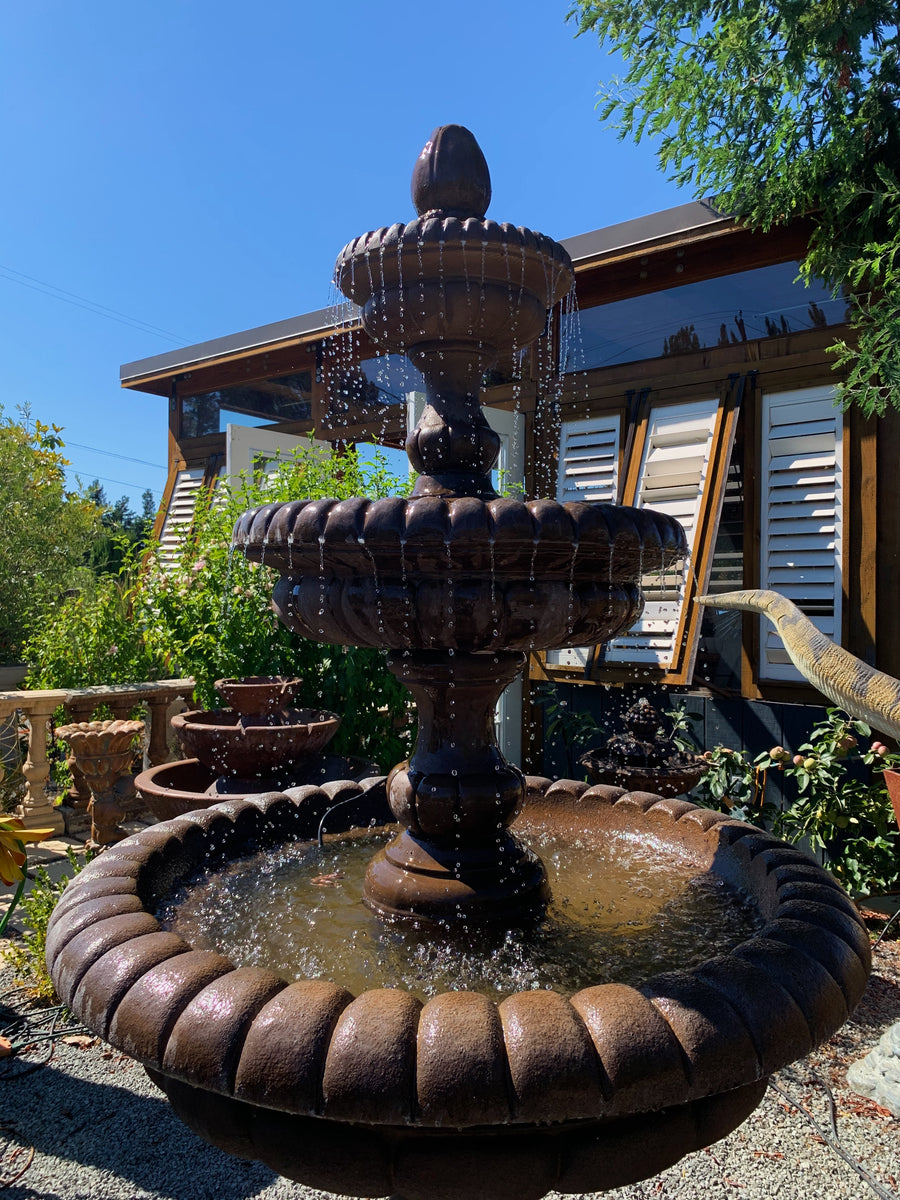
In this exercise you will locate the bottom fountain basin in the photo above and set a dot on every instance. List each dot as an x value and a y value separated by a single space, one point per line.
460 1096
173 789
520 1162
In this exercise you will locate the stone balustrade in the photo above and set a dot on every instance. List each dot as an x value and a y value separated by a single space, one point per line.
37 810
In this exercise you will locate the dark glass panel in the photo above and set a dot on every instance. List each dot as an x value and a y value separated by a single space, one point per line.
765 302
266 402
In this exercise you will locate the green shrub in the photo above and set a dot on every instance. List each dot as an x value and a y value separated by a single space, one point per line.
209 615
93 638
846 814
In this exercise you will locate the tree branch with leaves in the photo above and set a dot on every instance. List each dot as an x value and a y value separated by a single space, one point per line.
780 109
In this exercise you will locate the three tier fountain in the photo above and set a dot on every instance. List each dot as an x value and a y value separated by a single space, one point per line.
417 1085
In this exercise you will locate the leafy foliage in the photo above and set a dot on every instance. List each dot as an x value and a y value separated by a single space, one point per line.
209 615
46 530
839 804
572 728
780 109
92 638
27 956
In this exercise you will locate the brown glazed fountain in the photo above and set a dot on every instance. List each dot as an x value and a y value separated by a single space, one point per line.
457 582
643 759
258 744
379 1094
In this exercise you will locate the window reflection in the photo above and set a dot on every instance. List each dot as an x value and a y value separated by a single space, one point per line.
373 383
765 302
265 402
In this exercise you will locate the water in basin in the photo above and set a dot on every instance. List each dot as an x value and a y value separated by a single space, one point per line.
623 909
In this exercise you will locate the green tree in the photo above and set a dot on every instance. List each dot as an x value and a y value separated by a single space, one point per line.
122 531
780 109
210 616
46 529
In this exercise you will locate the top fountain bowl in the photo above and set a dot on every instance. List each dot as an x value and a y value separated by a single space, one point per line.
262 695
443 279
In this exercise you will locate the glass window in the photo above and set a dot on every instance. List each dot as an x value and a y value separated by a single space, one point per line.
266 402
765 302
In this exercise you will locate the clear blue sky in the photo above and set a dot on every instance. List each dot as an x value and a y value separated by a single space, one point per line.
196 166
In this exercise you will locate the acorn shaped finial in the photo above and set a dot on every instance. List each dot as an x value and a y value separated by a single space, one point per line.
451 176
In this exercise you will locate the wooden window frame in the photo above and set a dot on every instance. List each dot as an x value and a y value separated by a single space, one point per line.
686 639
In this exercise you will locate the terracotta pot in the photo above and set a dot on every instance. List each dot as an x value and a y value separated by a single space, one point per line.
892 782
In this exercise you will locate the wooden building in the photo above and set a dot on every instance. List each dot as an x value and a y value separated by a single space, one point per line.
694 377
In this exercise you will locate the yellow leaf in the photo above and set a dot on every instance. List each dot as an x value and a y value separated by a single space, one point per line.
11 863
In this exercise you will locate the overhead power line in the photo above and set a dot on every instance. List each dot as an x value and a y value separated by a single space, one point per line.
112 454
100 310
128 484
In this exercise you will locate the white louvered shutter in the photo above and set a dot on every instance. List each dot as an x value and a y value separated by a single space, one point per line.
179 514
800 532
589 460
673 479
588 471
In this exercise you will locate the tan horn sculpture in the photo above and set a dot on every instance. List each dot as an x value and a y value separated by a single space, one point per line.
865 693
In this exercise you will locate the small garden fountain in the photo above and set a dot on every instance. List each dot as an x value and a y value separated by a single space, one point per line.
589 1086
258 744
644 759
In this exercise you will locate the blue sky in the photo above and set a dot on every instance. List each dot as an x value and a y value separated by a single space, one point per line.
193 168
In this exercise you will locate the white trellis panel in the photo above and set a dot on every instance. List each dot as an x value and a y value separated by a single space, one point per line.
588 471
673 479
800 533
179 514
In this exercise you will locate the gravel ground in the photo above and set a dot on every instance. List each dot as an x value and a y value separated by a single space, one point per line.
88 1124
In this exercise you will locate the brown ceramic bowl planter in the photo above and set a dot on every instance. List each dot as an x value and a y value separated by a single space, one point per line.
242 747
664 781
378 1094
266 695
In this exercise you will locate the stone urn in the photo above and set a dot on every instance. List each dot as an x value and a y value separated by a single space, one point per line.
104 752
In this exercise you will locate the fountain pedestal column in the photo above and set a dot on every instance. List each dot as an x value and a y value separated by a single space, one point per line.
456 797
